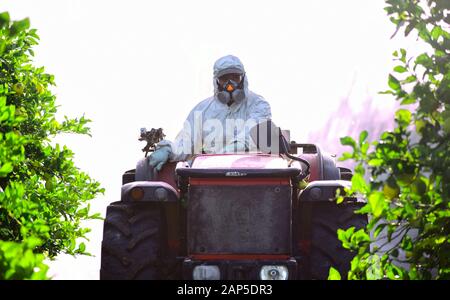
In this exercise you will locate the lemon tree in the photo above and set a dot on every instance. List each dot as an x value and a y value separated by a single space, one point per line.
405 174
43 196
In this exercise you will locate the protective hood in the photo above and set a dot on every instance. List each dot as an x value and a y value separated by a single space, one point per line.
226 65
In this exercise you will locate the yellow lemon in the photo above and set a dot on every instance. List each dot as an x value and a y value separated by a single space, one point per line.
420 124
18 88
405 178
39 88
390 192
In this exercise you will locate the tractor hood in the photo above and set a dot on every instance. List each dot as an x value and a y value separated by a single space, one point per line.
239 165
239 161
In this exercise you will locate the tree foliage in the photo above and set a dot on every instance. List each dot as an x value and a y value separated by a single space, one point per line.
408 189
43 195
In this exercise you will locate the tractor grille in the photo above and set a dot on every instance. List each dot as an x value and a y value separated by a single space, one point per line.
245 219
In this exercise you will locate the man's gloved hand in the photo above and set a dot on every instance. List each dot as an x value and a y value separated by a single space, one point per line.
158 158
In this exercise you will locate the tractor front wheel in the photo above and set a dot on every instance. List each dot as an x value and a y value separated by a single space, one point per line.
132 241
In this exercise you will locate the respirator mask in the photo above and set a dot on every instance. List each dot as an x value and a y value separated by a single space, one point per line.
231 88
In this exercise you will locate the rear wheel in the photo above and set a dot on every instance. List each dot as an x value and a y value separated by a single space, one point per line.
132 241
325 248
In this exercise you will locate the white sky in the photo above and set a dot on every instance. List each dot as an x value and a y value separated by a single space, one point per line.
132 64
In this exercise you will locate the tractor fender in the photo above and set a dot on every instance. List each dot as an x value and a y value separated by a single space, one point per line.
329 169
325 191
149 191
144 172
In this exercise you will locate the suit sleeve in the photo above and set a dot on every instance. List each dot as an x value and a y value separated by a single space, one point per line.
188 141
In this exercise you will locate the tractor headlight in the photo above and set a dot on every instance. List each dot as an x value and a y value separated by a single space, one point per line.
206 272
274 273
137 193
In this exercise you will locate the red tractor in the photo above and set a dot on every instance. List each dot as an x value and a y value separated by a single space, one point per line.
231 216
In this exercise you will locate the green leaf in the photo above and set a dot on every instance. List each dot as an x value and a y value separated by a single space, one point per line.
375 162
360 169
19 26
345 235
409 28
394 83
364 148
333 274
424 60
436 32
403 117
2 47
358 183
409 79
348 141
410 209
440 240
377 203
374 271
6 169
389 92
363 136
4 19
345 156
408 100
403 55
400 69
82 247
360 236
394 272
72 244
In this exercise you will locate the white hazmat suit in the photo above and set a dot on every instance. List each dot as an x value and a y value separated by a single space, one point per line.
214 126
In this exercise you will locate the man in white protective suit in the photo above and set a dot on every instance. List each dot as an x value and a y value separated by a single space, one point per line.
220 123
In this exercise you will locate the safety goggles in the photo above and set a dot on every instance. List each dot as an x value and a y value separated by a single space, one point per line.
227 77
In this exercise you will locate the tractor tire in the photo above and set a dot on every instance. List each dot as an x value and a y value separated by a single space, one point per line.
325 248
132 242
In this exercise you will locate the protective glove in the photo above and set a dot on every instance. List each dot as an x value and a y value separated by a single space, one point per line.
158 158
